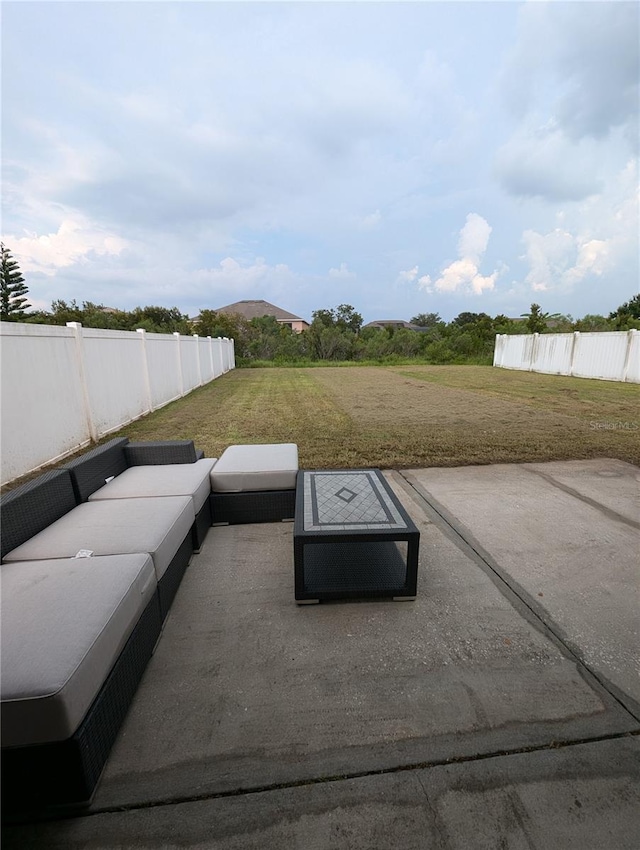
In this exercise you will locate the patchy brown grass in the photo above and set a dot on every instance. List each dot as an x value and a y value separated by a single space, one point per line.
405 416
408 416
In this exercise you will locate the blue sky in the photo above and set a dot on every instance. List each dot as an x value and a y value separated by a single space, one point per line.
398 157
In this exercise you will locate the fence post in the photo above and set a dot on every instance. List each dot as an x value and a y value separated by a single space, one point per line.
627 355
179 351
145 366
225 355
218 355
213 368
497 350
232 355
197 339
534 351
574 348
86 401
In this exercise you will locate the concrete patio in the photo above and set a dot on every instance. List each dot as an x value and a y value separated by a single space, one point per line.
500 709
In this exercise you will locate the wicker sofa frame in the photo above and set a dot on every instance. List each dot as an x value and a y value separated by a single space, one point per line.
47 777
44 779
63 775
259 506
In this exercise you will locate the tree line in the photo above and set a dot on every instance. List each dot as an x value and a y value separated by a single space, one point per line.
335 334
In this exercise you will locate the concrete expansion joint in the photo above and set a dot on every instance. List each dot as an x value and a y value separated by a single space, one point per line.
608 512
343 777
510 589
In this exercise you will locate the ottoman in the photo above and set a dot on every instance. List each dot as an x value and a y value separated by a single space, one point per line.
254 483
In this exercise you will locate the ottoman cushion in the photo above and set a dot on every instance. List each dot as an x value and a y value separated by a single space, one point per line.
177 479
64 623
115 527
249 468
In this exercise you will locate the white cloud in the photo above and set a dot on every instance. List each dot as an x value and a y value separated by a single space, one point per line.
549 256
342 273
407 276
559 260
464 274
474 238
74 242
590 242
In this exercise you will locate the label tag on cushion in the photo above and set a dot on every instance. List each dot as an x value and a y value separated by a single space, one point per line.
84 553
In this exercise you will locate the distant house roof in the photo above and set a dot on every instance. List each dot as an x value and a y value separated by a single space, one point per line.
257 308
394 323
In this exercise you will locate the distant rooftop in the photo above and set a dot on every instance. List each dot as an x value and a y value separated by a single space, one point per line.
254 309
394 323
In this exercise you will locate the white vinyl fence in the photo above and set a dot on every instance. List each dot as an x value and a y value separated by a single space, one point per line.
609 355
63 387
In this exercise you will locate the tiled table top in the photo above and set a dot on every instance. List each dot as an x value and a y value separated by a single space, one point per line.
349 501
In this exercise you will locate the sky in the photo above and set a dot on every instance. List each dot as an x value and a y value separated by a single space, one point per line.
402 158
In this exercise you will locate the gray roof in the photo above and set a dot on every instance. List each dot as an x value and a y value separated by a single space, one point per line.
395 323
254 309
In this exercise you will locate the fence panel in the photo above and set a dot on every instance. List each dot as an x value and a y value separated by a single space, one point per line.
217 357
206 366
517 350
226 355
115 372
64 387
164 368
189 360
43 410
610 355
601 355
552 353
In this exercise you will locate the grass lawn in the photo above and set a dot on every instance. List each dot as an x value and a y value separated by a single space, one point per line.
407 416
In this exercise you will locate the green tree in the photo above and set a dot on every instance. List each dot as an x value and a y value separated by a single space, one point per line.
536 319
234 326
504 325
426 320
344 317
333 344
593 322
271 340
627 316
160 320
470 319
347 318
332 334
13 289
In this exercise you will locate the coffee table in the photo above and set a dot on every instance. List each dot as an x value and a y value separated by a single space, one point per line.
352 538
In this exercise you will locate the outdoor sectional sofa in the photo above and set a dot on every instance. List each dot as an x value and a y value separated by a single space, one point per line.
92 556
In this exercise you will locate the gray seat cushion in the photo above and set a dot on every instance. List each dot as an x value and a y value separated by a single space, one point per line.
176 479
115 527
249 468
64 623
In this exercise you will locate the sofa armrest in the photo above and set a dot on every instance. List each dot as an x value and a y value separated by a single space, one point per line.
161 452
90 471
32 507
